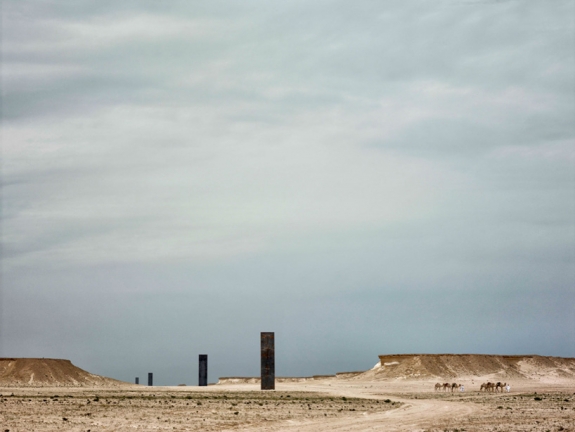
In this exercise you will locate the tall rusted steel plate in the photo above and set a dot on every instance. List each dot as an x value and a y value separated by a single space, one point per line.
268 375
203 371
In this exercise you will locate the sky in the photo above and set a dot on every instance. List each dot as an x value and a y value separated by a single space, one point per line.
360 178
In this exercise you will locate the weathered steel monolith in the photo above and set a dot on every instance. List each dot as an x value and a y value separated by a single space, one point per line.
268 375
137 380
150 379
203 371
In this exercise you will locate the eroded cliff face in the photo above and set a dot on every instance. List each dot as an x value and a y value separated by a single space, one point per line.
448 366
256 380
41 372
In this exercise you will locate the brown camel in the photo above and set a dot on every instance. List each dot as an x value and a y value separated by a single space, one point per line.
454 386
438 386
488 386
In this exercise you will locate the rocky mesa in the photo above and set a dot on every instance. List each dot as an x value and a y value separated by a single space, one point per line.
448 366
44 372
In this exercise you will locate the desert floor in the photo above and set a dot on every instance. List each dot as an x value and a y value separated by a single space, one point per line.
318 405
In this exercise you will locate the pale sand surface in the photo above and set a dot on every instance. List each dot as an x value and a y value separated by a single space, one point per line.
315 405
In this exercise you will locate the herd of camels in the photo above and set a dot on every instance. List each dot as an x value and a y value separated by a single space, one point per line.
488 387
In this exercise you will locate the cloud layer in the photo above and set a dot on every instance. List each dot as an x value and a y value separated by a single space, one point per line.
339 173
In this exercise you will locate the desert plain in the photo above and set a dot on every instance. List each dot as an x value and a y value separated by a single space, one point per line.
398 394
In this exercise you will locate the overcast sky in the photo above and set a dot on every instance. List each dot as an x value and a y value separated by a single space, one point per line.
361 178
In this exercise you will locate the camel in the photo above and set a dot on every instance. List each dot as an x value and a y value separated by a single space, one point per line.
454 386
499 387
488 386
446 386
438 386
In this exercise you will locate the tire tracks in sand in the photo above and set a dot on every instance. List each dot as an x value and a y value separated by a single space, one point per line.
414 415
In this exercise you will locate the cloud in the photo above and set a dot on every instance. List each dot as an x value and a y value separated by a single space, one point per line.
296 158
216 191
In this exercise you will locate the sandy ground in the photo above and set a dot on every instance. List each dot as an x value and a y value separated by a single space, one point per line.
321 405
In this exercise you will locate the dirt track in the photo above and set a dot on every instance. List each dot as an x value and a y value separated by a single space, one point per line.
411 416
423 409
